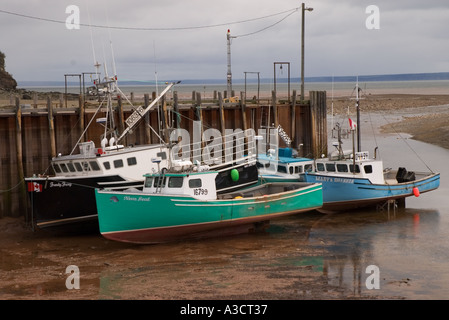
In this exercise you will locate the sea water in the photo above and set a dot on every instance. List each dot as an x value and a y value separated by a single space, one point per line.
252 89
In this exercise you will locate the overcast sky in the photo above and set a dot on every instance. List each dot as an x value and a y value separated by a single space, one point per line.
187 39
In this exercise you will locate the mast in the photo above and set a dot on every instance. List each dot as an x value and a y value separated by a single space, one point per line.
138 114
357 104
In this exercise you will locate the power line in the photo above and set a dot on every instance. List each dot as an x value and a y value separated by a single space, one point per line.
288 12
270 26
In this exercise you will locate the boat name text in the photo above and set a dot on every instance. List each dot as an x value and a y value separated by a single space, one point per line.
329 179
129 198
61 184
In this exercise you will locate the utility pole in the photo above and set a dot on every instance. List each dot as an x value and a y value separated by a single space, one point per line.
302 50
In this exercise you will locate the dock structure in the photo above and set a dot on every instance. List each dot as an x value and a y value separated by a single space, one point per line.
31 134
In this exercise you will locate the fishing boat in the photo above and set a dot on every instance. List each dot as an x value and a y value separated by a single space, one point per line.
185 205
351 179
66 199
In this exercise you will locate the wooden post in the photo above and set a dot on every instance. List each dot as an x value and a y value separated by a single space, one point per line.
81 115
221 115
318 122
146 99
275 109
51 127
121 117
35 100
243 108
198 111
293 118
166 120
176 109
19 157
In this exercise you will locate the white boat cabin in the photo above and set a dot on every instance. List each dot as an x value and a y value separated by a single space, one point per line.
361 167
127 161
284 164
200 185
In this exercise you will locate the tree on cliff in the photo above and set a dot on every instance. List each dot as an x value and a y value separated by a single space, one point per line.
6 80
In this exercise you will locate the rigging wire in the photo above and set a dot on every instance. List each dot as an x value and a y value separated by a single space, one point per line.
408 145
289 12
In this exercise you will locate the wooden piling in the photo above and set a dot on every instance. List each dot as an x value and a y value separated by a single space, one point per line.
176 110
19 156
319 123
293 118
275 109
146 98
51 128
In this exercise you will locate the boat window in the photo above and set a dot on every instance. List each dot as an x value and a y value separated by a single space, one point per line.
71 167
118 163
175 182
107 165
94 165
290 169
195 183
330 167
131 161
282 169
342 167
56 168
78 167
368 168
162 155
320 166
148 182
64 167
308 168
86 166
158 183
351 168
298 169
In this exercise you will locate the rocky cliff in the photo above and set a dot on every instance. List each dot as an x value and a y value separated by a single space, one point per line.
7 82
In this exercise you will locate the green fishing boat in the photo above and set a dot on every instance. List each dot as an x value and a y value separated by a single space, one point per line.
175 206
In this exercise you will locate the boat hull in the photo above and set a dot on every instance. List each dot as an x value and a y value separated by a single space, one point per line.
152 218
69 202
60 202
346 193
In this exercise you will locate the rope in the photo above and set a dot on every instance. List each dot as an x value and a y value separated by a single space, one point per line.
16 186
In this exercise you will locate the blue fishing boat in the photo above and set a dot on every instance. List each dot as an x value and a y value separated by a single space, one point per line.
351 179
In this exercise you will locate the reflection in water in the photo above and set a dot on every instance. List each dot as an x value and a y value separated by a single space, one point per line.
356 241
337 248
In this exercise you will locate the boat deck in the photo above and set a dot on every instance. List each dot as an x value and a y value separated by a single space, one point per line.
264 189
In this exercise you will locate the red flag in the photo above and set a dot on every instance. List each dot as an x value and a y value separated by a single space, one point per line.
352 124
34 187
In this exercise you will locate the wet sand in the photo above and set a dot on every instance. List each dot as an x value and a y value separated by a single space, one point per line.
279 264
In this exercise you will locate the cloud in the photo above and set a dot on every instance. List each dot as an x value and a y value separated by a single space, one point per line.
187 39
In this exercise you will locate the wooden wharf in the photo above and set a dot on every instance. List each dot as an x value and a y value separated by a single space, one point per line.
31 134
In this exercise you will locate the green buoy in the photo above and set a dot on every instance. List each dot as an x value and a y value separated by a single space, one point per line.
234 175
